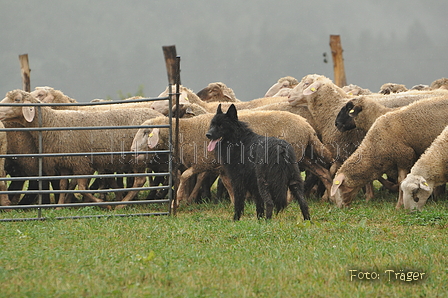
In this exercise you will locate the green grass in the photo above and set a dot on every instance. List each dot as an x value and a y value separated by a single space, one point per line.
202 253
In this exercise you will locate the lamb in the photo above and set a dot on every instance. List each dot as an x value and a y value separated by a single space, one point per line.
362 111
193 143
80 140
430 170
217 92
282 85
4 200
389 88
394 142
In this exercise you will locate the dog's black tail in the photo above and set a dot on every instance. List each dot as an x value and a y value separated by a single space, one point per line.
297 192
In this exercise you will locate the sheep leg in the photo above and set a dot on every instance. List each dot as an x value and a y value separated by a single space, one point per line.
369 191
83 184
197 187
15 185
138 182
228 185
319 171
401 176
181 191
70 197
388 184
63 185
4 200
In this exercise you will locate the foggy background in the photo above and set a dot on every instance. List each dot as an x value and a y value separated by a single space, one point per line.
96 49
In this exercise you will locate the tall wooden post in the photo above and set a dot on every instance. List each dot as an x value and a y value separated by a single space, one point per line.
172 62
338 61
25 69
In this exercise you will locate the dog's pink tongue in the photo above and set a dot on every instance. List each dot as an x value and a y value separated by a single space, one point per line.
211 146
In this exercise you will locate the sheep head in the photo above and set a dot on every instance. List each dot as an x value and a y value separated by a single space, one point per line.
145 139
341 193
310 84
389 88
49 95
217 92
345 119
9 113
283 83
416 191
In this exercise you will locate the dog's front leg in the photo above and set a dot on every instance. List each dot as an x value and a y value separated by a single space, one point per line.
240 196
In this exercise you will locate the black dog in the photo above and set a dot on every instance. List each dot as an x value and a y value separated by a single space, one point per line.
263 166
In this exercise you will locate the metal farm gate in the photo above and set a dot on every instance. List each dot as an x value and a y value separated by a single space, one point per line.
173 69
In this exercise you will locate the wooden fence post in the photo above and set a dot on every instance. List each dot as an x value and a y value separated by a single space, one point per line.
172 62
25 69
338 61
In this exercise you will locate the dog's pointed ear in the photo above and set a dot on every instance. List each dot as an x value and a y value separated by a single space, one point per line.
219 110
231 112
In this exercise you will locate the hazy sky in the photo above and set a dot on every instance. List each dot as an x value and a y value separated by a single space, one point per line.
94 49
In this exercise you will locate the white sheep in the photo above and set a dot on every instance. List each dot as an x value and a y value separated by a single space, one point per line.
394 142
80 140
430 170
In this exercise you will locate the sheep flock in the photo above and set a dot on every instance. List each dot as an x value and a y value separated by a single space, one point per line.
345 138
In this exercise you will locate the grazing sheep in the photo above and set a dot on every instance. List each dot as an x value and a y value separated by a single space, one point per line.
394 142
193 143
217 92
283 86
430 170
4 200
389 88
80 140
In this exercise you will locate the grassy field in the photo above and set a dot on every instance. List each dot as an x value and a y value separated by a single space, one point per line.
202 253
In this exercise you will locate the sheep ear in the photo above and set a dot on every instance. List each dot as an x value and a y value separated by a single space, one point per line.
28 112
355 111
231 112
227 94
153 138
337 181
424 185
219 110
184 97
190 111
312 88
